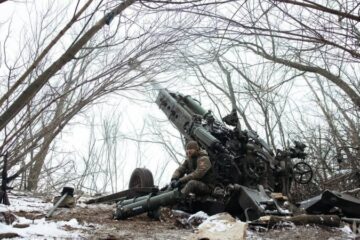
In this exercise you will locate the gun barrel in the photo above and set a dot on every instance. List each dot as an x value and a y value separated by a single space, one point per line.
174 111
146 204
180 111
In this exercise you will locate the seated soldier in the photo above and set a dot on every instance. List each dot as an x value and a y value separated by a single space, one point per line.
196 173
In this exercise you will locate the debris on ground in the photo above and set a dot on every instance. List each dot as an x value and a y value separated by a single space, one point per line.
221 226
25 218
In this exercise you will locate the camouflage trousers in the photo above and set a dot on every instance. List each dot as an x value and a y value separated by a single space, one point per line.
196 187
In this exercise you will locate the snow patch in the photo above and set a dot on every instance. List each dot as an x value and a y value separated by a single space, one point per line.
96 206
217 223
346 229
42 228
199 215
38 228
28 204
221 226
3 208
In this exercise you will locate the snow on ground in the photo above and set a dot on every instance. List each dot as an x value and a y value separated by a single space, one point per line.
37 228
221 226
217 224
202 215
95 206
347 230
40 228
27 204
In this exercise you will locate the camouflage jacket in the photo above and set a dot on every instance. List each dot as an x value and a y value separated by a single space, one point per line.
195 168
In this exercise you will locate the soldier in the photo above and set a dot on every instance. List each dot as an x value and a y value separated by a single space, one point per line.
196 173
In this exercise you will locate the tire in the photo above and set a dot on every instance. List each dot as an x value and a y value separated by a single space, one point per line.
141 177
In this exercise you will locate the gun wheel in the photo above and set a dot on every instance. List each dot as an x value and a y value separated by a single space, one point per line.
302 173
140 178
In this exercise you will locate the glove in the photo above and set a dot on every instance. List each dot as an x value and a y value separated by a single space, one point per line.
175 183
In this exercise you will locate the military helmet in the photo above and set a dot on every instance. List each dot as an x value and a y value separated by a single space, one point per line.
192 145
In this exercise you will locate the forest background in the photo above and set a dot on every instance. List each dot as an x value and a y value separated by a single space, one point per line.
78 81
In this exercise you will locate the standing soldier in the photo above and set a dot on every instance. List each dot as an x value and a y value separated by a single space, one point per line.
196 173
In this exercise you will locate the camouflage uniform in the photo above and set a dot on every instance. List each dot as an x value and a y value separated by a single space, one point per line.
196 173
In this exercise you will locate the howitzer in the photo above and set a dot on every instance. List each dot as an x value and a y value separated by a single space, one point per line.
246 169
238 156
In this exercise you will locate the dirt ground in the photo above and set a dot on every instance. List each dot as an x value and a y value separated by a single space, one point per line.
98 222
97 219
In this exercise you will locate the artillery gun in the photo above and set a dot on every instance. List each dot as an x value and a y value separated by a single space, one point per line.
246 169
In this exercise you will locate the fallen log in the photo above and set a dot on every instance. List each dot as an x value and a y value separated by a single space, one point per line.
326 220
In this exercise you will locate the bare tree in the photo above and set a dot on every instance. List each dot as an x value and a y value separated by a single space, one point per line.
307 37
43 95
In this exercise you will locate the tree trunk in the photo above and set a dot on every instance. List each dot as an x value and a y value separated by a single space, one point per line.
39 159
